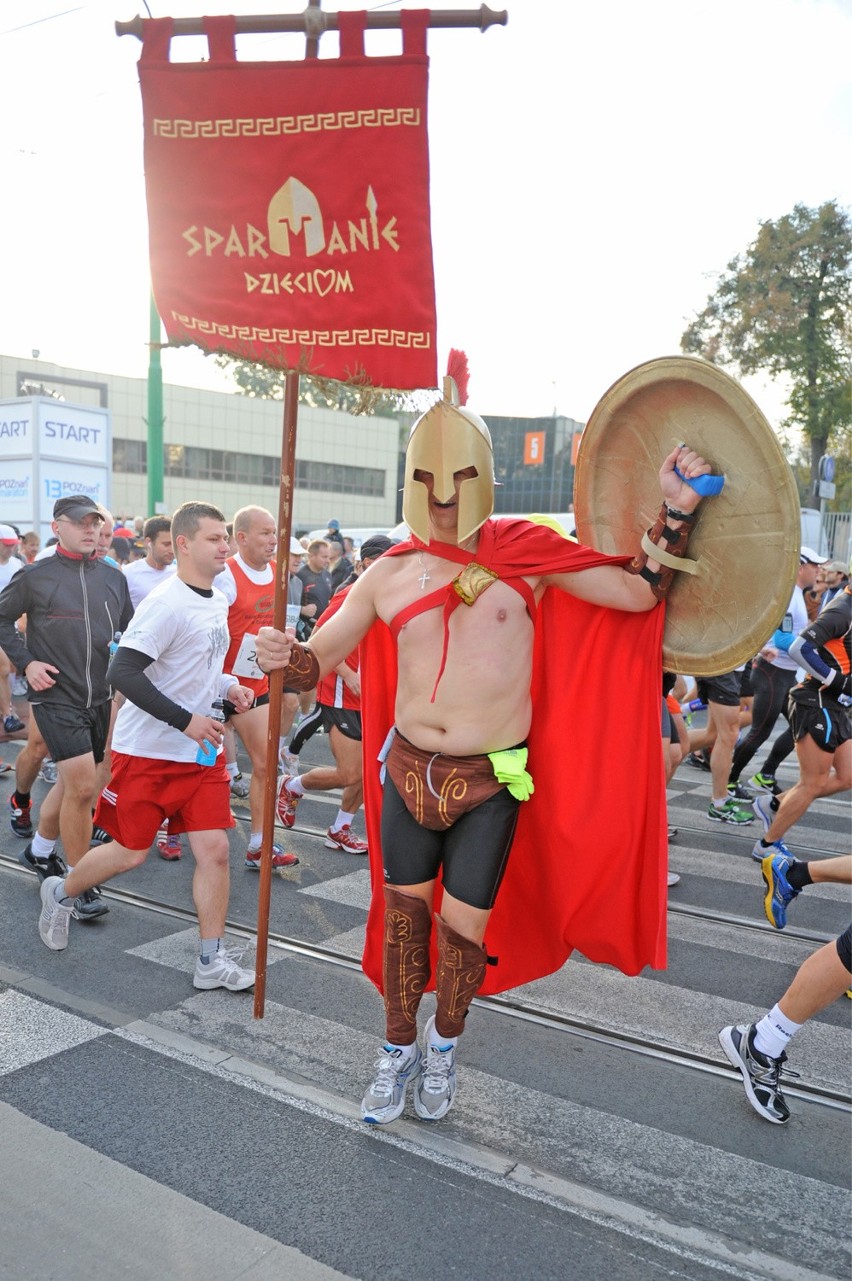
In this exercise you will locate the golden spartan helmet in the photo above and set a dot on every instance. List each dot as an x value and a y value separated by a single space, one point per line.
445 440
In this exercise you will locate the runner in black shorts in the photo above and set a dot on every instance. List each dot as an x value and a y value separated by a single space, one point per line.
819 716
75 604
722 696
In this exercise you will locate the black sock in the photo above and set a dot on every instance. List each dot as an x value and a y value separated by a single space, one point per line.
21 799
798 875
774 804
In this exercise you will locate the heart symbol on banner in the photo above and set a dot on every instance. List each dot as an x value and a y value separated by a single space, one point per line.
323 282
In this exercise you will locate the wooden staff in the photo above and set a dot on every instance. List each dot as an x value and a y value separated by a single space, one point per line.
313 21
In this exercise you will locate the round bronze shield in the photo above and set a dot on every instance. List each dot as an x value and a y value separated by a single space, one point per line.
746 540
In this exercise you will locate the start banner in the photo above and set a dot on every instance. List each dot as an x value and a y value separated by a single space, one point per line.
288 204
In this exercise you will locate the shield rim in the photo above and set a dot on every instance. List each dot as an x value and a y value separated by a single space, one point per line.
696 371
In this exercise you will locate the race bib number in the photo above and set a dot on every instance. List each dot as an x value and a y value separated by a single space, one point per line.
293 612
245 664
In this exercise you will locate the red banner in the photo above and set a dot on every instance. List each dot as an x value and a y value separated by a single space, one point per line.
288 204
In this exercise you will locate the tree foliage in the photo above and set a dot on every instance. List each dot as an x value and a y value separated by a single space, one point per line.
266 383
784 307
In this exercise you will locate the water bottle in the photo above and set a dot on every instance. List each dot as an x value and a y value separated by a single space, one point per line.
113 645
694 705
207 752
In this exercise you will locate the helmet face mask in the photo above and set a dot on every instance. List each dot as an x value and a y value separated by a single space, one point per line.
443 442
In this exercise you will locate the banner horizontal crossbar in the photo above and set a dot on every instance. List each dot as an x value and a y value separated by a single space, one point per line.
313 22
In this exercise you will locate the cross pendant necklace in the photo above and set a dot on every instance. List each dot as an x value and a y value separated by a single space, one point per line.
425 576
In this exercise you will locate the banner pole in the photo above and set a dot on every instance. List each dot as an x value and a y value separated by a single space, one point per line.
276 679
314 22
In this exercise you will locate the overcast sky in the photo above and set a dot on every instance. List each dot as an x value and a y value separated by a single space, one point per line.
594 163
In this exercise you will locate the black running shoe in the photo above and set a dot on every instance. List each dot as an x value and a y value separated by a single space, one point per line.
100 836
697 761
21 818
43 867
89 905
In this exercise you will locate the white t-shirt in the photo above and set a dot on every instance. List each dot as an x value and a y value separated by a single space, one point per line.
187 636
142 578
9 570
798 611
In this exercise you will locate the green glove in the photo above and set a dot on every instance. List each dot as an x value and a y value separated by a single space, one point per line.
510 767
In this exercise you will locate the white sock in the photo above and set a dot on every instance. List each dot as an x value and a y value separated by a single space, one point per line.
343 820
42 847
209 948
774 1033
294 785
255 841
441 1042
233 769
407 1050
720 805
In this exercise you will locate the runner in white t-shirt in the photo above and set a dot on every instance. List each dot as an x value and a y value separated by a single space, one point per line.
169 667
158 563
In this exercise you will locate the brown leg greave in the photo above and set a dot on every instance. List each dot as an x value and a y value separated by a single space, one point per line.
406 968
461 969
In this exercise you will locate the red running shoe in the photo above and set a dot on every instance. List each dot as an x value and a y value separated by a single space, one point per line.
168 847
280 858
344 839
285 805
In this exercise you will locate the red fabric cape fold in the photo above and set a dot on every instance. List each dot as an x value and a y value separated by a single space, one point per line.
587 869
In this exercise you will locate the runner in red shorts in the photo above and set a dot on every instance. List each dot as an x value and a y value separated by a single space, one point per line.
166 759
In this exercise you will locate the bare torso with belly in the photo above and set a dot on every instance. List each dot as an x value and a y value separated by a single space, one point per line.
482 702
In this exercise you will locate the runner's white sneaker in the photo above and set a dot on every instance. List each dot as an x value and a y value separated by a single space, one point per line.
436 1087
55 917
222 970
385 1099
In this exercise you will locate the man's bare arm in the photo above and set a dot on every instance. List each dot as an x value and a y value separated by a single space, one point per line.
332 642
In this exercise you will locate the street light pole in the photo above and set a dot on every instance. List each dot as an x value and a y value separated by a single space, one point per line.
155 414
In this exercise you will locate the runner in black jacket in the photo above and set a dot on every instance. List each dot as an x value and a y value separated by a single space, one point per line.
75 607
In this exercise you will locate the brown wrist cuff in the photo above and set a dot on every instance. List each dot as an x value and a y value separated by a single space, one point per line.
675 539
302 672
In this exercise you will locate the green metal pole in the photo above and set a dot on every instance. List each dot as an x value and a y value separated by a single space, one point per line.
155 414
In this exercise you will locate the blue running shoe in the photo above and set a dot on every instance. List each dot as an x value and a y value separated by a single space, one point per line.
779 891
760 852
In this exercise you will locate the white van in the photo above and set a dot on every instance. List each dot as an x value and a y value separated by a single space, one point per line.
357 533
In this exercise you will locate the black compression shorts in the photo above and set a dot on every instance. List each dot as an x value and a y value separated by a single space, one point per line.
844 947
473 852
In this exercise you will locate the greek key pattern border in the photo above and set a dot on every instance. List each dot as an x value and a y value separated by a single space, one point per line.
404 339
277 126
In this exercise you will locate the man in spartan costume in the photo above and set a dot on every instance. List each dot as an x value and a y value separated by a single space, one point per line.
488 652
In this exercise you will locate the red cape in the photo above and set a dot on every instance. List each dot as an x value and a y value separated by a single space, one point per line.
588 865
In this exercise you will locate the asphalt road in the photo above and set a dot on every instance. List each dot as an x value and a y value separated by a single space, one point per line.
148 1130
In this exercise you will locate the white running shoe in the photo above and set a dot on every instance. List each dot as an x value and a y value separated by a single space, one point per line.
385 1099
55 917
672 878
239 786
436 1088
222 970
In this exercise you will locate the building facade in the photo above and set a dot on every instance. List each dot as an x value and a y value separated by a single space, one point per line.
226 449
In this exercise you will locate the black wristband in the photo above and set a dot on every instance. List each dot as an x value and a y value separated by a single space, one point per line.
687 517
650 576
